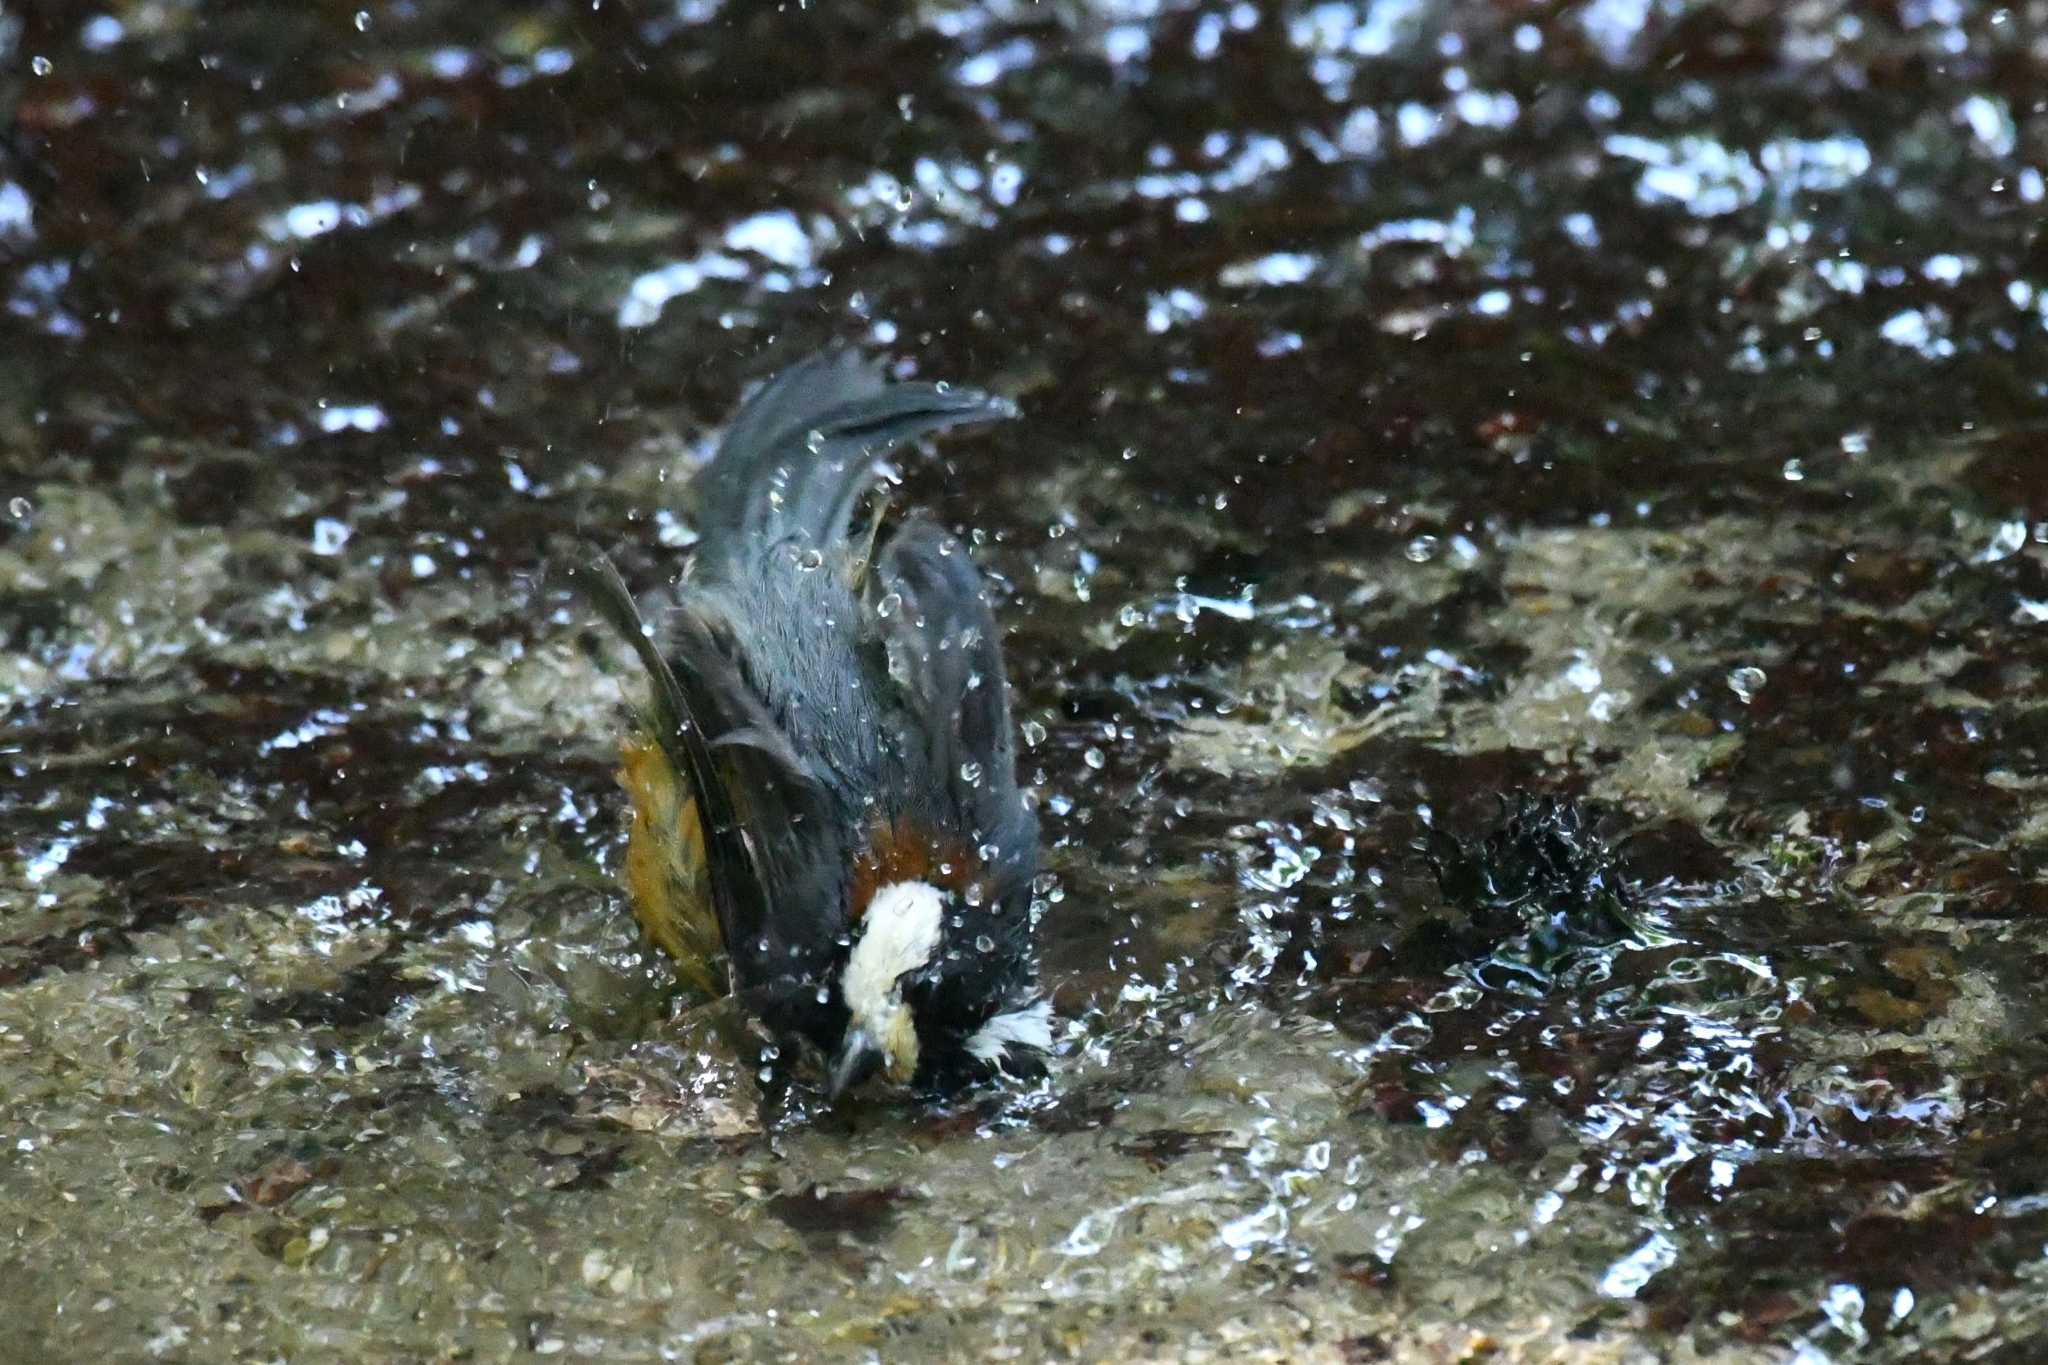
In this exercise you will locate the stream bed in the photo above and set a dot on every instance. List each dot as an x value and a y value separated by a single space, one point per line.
1427 408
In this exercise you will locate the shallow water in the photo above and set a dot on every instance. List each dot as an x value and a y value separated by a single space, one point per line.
1636 401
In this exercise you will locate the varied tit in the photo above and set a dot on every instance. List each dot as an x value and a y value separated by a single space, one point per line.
826 817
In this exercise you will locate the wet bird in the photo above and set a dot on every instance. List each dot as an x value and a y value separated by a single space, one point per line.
825 813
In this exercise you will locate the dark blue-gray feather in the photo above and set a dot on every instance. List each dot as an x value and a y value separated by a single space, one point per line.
805 446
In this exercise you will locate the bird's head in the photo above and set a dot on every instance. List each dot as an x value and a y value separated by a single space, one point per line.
904 884
897 936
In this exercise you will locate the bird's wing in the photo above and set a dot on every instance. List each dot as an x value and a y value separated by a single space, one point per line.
783 811
750 792
946 650
679 725
946 653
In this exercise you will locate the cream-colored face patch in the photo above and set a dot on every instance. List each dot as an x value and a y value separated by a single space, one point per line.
898 934
899 1045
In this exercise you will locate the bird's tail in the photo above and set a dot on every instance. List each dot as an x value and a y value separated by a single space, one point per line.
806 445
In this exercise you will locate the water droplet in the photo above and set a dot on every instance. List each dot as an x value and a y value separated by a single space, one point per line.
1130 618
984 944
1033 732
329 536
889 603
1094 758
19 508
2007 541
970 773
1422 549
1241 1235
362 21
40 65
824 996
1746 682
811 560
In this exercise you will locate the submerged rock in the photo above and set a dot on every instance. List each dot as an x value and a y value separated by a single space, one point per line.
1541 884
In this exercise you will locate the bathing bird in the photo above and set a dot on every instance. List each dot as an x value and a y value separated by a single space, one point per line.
825 815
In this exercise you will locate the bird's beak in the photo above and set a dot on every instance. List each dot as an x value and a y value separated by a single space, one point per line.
858 1059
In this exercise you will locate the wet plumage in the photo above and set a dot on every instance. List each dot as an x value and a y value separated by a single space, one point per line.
826 817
